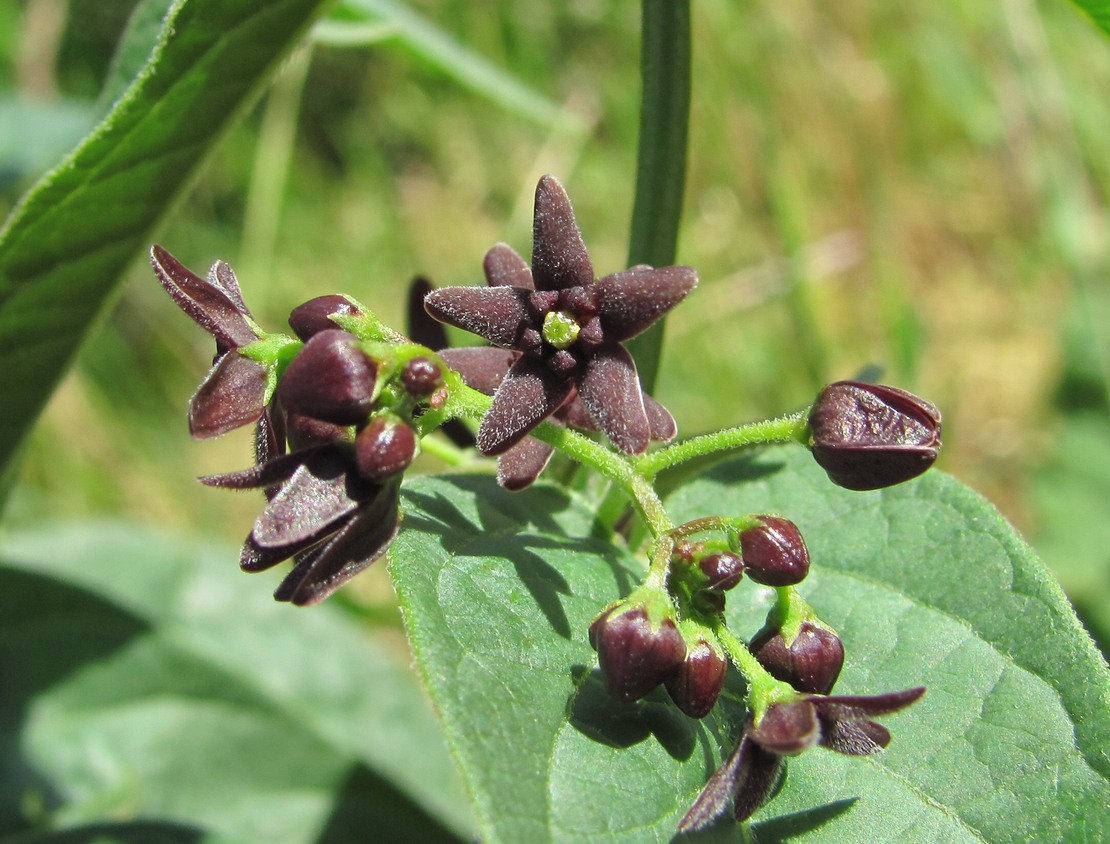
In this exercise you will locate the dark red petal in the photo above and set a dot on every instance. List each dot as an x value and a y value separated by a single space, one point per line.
575 414
855 738
528 395
611 392
252 558
207 304
422 328
318 496
499 314
315 315
559 257
662 424
269 436
631 301
482 368
264 474
223 276
747 777
504 267
232 395
361 542
519 467
861 707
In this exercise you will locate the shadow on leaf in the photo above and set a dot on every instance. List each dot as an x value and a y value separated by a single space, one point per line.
790 826
597 716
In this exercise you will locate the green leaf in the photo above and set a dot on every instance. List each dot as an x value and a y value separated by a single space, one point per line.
928 585
1098 11
63 249
925 583
145 676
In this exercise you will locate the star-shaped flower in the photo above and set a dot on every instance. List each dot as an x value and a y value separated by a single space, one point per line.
839 722
567 326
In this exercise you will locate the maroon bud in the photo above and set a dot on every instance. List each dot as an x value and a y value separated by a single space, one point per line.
811 663
635 658
788 728
331 379
774 553
723 570
697 683
868 436
314 316
421 377
709 601
384 448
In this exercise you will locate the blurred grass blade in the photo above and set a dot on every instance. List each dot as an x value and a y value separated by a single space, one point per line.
67 243
363 22
1098 11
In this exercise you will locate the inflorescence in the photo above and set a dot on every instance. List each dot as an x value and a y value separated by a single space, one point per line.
341 407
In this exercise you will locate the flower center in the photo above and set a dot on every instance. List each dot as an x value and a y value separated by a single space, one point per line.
560 329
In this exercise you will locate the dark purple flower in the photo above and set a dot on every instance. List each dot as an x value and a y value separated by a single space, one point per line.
723 570
869 436
774 552
326 515
234 391
697 683
315 315
842 723
330 379
567 326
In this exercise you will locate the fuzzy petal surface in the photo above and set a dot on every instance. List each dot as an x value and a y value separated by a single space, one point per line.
503 267
232 395
528 395
610 389
499 314
559 257
205 302
630 301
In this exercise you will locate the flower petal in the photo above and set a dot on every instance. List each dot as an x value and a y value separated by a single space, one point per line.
362 541
263 474
662 424
223 276
787 728
747 778
559 257
207 304
232 394
422 328
528 395
630 301
861 707
482 368
855 738
519 467
319 495
504 267
611 392
499 314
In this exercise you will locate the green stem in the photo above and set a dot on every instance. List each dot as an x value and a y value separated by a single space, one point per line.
665 50
763 689
785 429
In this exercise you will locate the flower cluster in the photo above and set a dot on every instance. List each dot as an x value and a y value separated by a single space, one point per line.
340 410
334 419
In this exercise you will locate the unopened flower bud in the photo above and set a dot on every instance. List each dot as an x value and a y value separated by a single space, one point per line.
811 663
868 436
305 432
723 570
634 655
697 683
384 448
330 379
314 316
774 552
709 601
421 377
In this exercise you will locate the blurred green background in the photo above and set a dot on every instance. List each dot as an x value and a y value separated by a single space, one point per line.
923 189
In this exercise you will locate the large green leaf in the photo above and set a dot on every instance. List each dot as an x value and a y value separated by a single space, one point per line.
146 677
63 249
926 583
1098 11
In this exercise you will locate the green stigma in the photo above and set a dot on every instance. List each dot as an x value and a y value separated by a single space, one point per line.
560 329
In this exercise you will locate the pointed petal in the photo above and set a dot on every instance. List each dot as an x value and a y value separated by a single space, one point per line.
232 394
611 392
662 424
499 314
263 474
718 791
855 738
630 301
362 541
503 266
205 303
318 496
528 395
269 436
519 467
559 257
575 414
860 707
482 368
422 328
252 558
223 276
758 778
